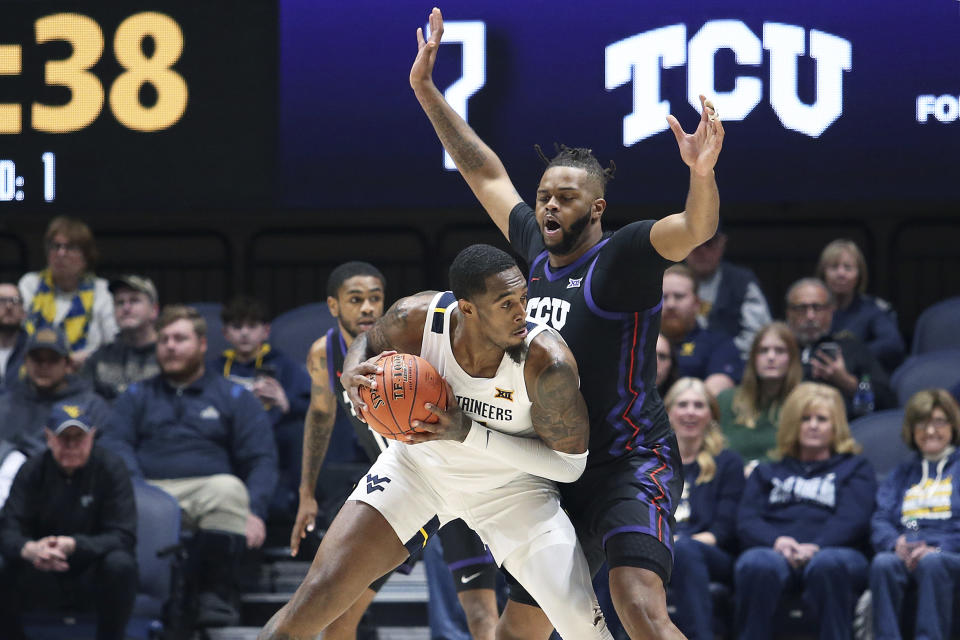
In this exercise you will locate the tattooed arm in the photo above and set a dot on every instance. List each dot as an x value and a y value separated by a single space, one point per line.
477 163
559 412
317 428
559 415
400 329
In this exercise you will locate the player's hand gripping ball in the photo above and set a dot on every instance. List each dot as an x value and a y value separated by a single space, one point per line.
407 383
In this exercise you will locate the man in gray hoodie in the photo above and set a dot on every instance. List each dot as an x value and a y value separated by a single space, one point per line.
24 409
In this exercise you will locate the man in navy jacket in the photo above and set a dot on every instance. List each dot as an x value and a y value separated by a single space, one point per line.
208 442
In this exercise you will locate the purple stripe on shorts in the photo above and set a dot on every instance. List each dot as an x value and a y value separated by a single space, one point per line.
625 390
466 562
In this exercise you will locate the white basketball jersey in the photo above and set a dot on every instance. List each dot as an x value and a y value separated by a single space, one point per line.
500 403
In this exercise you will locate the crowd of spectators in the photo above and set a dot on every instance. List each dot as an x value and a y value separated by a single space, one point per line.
777 497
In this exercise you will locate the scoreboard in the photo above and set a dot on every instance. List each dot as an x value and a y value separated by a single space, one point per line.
170 105
159 106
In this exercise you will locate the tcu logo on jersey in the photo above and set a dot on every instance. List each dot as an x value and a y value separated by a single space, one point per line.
552 311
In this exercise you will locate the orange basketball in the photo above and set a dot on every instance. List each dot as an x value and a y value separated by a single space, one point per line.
406 384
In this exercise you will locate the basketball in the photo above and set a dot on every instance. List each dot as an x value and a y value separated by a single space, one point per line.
406 384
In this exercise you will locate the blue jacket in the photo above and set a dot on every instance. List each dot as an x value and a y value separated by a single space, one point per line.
212 426
12 374
703 352
291 375
712 506
923 491
828 503
875 323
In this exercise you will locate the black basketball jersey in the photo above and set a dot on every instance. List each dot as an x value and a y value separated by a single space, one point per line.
614 343
371 441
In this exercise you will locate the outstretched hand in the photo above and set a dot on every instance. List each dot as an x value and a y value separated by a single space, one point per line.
421 74
700 149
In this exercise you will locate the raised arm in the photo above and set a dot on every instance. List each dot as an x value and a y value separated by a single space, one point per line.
677 235
478 164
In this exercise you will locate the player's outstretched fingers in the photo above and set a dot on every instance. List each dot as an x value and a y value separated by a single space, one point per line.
436 25
678 131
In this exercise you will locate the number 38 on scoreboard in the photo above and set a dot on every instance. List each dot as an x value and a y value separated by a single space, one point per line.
87 93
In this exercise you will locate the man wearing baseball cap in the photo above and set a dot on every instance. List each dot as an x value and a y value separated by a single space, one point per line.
68 535
132 356
25 407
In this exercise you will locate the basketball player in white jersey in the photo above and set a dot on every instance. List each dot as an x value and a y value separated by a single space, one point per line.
515 422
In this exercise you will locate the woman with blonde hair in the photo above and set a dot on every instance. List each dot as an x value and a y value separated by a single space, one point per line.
804 519
66 294
872 320
916 528
705 530
750 412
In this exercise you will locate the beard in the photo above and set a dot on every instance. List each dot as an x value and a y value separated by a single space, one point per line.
187 371
674 327
518 352
571 236
9 327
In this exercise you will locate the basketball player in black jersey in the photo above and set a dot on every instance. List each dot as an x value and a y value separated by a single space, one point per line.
355 297
602 291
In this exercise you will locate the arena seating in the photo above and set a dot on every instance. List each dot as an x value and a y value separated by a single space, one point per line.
937 369
879 434
936 327
294 331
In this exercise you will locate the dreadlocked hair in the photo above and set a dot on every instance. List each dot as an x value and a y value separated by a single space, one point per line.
580 158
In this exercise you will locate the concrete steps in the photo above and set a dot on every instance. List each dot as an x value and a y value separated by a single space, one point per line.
400 604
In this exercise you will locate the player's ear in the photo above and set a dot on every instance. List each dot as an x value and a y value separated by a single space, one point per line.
466 307
334 306
596 211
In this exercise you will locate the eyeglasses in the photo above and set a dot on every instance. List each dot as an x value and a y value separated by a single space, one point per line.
66 247
936 423
803 308
11 302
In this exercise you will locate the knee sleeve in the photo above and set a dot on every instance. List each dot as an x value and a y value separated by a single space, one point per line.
639 550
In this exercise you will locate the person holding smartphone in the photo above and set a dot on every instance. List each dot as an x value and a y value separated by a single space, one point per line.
840 360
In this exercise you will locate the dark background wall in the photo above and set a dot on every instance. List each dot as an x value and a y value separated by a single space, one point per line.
285 257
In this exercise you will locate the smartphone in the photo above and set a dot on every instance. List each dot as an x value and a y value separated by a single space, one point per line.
830 349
